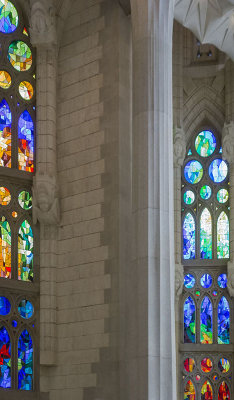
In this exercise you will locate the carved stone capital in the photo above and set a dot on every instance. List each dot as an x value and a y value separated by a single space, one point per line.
179 148
230 278
45 200
179 280
42 23
228 142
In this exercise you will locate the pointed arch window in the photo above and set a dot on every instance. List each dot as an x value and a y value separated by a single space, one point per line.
19 278
207 310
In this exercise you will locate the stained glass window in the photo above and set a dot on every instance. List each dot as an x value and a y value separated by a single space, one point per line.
189 237
206 391
223 321
206 234
189 392
206 333
223 236
18 270
189 321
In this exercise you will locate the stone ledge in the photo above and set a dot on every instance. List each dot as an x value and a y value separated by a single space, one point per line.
8 394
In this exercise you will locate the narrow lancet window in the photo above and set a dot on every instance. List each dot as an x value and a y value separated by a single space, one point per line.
189 249
223 236
189 321
206 321
206 234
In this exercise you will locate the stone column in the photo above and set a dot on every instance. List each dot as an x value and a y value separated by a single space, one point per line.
151 371
45 191
228 155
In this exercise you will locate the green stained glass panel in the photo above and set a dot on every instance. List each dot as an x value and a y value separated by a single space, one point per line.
20 55
8 17
193 171
189 197
25 200
223 236
25 252
206 235
206 318
222 196
205 192
205 143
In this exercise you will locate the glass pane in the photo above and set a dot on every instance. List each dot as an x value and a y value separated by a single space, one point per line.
224 393
206 281
189 237
205 192
5 306
205 143
5 359
25 361
222 281
206 365
224 365
218 170
206 335
189 321
5 134
26 142
222 196
25 309
8 17
223 236
206 235
193 171
26 90
206 391
5 249
25 200
189 281
223 321
5 196
189 197
5 80
20 55
25 252
189 391
189 364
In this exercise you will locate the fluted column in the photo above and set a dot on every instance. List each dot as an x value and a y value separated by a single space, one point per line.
45 191
151 333
228 155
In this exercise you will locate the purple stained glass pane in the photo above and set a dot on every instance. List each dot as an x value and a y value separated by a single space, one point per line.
189 281
223 321
189 321
189 237
222 281
206 281
5 359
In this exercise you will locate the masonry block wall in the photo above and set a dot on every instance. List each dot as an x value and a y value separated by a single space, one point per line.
93 139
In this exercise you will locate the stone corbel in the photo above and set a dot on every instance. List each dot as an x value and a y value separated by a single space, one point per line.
45 200
179 149
228 142
179 281
230 278
43 23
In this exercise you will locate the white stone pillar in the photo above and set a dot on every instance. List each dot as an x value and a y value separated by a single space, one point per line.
151 369
45 191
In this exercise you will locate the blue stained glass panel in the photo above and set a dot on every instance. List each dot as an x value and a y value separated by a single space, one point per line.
205 143
222 281
223 236
193 171
218 170
189 237
5 134
5 306
8 17
223 321
206 324
189 197
5 359
25 309
26 142
205 192
25 361
224 365
189 321
206 281
206 235
189 281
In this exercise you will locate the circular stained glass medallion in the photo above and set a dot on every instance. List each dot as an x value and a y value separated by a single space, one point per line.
215 293
20 55
206 365
25 200
14 323
223 365
206 281
14 214
5 196
8 17
222 196
26 90
189 281
222 281
205 192
189 364
205 143
193 171
215 377
5 80
5 306
25 309
218 170
189 197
